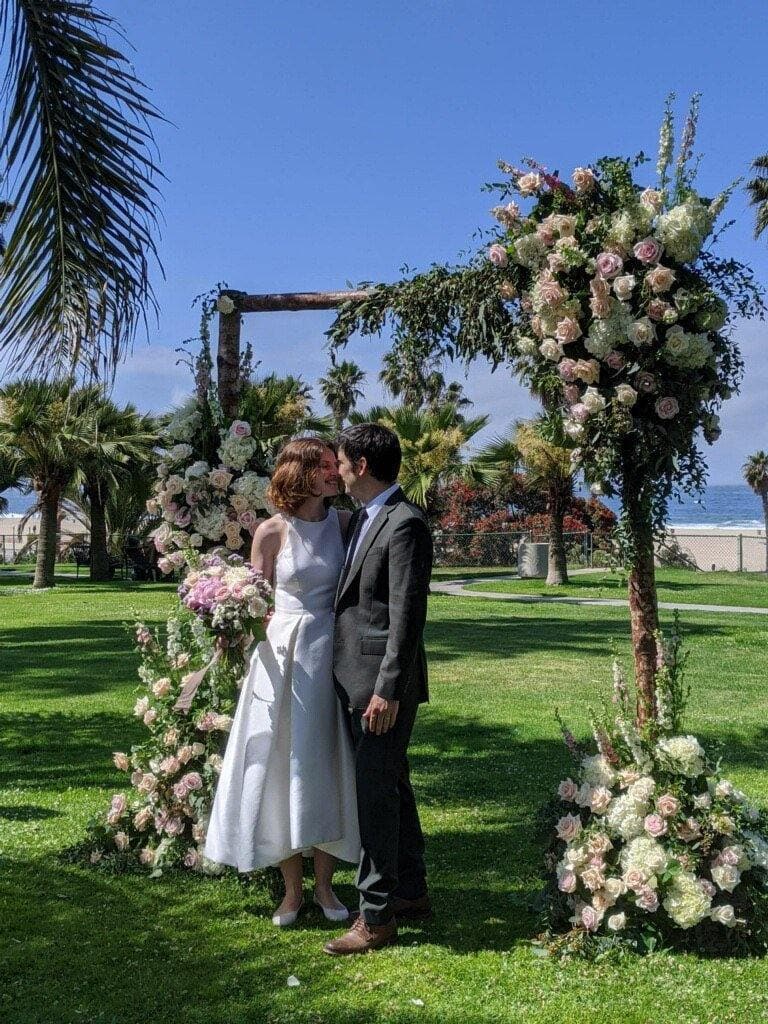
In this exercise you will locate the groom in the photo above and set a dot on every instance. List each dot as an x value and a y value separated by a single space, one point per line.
380 673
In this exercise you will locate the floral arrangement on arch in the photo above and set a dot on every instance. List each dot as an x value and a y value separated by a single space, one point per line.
203 506
189 690
621 315
652 846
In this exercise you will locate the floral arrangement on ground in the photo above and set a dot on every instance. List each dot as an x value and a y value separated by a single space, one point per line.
652 846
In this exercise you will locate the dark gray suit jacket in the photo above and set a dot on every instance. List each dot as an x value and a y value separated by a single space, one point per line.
381 608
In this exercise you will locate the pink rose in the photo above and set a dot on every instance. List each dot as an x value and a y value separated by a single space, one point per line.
529 183
571 393
568 827
240 428
122 842
566 368
729 856
588 370
645 382
591 918
121 761
657 309
655 825
580 412
609 265
707 888
615 360
567 881
147 855
169 765
148 783
600 799
142 819
550 291
165 565
652 200
184 754
150 717
660 279
593 878
647 251
635 880
667 408
689 830
192 781
647 900
497 254
556 262
161 687
249 520
546 233
182 518
174 826
600 307
667 805
537 327
599 844
191 858
623 287
567 790
583 179
220 478
568 330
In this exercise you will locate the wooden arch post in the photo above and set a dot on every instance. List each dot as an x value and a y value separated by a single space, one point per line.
228 351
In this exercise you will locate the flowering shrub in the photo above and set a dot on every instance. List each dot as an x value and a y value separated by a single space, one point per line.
651 843
203 505
190 683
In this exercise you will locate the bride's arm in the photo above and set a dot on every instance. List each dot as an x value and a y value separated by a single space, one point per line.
267 542
344 519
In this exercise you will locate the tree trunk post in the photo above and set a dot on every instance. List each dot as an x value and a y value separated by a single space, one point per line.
557 567
643 604
47 540
765 520
228 359
99 548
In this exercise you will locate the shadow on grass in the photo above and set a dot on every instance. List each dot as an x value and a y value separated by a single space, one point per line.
28 812
58 751
507 632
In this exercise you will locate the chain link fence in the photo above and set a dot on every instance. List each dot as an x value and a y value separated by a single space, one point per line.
712 550
500 550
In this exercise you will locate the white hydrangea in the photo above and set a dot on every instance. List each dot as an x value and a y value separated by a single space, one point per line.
236 452
757 849
686 902
689 351
197 469
210 524
642 790
623 817
682 754
683 229
253 487
644 854
529 251
597 771
629 224
179 453
185 422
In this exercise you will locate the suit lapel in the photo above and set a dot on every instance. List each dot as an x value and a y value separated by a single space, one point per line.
364 546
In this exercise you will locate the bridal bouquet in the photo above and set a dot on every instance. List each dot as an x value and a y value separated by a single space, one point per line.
228 594
652 845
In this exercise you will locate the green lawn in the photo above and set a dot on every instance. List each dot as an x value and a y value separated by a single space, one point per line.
78 945
741 589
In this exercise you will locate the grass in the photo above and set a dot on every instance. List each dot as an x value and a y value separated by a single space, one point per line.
738 589
78 945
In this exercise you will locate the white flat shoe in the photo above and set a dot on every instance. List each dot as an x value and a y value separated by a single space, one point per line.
331 913
288 918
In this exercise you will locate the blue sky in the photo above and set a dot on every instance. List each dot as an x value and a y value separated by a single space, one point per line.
315 144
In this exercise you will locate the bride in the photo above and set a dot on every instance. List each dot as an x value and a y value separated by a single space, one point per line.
287 786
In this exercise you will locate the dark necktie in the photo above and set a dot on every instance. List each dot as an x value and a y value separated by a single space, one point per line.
362 517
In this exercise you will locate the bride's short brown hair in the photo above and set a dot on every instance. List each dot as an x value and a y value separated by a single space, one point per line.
291 482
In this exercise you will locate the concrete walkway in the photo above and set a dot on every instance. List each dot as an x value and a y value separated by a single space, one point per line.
457 588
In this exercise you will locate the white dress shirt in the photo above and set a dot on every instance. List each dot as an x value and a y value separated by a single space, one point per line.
373 508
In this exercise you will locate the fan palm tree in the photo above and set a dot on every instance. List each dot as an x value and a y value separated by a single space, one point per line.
758 193
120 447
755 471
433 445
78 146
547 469
45 433
340 389
278 408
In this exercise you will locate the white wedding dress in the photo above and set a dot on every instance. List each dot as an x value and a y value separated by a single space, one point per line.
288 779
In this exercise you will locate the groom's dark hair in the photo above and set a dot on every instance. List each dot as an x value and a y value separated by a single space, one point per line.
379 445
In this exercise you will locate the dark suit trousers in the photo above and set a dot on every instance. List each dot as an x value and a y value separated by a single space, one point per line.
392 857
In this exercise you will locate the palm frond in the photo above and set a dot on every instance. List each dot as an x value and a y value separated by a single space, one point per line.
78 141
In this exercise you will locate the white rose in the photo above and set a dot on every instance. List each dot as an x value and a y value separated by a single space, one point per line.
626 395
641 332
550 349
724 914
593 400
616 922
623 286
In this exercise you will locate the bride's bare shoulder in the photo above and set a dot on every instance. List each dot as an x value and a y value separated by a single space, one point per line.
271 531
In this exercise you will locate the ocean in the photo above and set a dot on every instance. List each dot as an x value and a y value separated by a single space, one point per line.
723 506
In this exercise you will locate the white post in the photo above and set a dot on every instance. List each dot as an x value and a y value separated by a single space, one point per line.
740 548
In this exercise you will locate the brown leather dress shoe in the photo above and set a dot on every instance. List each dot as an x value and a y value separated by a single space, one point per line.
412 910
362 937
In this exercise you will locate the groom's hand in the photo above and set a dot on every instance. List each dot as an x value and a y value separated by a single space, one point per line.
381 714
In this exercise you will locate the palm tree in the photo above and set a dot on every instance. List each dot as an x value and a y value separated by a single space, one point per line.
758 193
278 408
340 389
45 432
755 471
433 445
120 446
548 470
78 147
